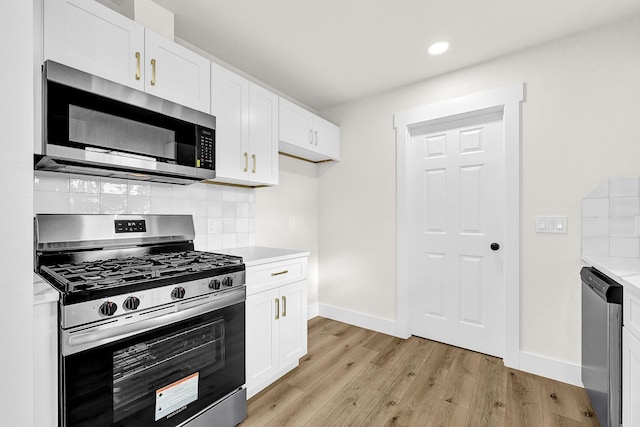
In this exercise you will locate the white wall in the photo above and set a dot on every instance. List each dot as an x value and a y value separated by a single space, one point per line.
287 216
579 126
16 225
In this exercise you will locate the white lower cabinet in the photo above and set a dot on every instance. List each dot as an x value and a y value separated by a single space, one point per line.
276 321
630 379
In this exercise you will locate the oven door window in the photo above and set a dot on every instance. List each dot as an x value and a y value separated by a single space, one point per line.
159 378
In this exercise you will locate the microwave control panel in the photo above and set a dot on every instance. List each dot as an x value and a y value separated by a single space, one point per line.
205 148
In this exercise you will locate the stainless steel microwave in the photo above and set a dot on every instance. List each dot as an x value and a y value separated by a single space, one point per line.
93 126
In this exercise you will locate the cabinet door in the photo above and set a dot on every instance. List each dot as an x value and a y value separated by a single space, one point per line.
230 105
293 323
175 73
326 137
295 125
630 379
263 135
93 38
262 336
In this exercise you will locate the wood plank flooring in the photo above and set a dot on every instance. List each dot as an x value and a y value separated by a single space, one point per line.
356 377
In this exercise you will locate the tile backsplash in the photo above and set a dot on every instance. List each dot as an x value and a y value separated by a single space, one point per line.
611 219
223 216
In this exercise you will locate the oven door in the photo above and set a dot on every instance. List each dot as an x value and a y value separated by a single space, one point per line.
160 377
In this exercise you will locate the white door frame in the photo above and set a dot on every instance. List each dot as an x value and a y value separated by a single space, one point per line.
506 99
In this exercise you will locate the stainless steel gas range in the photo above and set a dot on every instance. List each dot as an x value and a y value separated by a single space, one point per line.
151 332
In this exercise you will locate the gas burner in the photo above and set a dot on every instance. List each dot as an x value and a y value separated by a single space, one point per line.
92 275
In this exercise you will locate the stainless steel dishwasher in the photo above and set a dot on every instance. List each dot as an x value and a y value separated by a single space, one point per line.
602 345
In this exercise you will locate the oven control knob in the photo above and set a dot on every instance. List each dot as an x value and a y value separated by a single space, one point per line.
214 284
227 281
178 292
131 303
108 308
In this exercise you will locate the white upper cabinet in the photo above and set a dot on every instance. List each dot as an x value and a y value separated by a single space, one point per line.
93 38
174 72
306 135
246 130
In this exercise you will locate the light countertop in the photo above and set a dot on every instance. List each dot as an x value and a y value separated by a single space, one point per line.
256 255
625 271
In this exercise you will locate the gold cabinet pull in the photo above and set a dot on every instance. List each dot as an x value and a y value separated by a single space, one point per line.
246 161
255 165
137 65
153 72
279 273
284 306
277 308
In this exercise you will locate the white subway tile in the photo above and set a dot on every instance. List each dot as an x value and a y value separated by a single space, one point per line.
139 188
242 195
595 246
50 181
229 241
623 226
228 210
252 239
242 225
214 225
228 194
594 208
180 206
625 247
196 191
242 240
201 243
228 225
161 190
214 192
200 225
161 205
113 186
83 203
198 207
139 204
623 187
84 184
113 203
595 227
51 202
624 206
252 210
214 242
214 209
242 210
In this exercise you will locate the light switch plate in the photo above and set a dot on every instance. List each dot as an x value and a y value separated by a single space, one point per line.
551 224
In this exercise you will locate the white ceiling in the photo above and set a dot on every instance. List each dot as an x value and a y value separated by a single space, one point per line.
328 52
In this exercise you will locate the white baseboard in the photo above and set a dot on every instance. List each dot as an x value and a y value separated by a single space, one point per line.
551 368
312 311
532 363
366 321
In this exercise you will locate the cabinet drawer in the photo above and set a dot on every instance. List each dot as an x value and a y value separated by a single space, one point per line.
631 310
267 276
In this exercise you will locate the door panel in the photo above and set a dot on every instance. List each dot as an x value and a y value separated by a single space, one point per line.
457 281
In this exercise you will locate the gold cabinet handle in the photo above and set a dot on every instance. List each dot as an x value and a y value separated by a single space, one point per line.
153 72
277 308
279 273
137 65
255 163
246 161
284 306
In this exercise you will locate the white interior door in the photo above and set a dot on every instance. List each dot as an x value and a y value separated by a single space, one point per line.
457 215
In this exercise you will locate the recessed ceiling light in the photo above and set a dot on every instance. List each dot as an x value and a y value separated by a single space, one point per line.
438 47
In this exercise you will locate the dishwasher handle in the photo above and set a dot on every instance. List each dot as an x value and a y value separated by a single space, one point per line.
605 287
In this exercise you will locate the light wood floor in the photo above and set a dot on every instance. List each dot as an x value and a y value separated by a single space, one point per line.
355 377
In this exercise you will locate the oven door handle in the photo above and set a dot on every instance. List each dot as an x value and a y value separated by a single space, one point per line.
74 342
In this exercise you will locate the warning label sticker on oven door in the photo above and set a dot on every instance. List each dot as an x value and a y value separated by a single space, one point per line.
176 396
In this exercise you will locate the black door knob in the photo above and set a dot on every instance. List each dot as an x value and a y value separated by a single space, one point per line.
495 246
